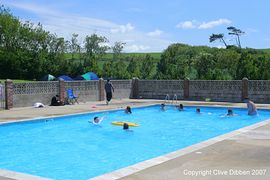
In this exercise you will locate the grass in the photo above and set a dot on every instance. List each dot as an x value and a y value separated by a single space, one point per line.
266 50
16 80
110 55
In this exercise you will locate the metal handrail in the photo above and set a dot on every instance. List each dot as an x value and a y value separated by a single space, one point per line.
167 99
174 100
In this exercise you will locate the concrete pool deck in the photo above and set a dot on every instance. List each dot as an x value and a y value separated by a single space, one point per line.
245 152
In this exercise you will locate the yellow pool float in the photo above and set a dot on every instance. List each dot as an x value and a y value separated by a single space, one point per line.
121 123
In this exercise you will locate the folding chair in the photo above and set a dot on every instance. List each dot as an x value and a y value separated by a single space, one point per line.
71 98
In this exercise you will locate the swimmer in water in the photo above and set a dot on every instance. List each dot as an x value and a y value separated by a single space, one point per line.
128 110
162 107
96 120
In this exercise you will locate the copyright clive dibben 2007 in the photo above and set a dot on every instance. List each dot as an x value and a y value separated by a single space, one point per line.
230 172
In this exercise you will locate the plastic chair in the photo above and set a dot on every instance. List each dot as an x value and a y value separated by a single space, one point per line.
71 98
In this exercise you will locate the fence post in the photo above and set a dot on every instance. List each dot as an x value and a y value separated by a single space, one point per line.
134 94
186 88
101 87
9 94
244 88
62 90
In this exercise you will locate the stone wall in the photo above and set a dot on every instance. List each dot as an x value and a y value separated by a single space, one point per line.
85 90
259 91
2 96
215 90
26 94
122 89
158 89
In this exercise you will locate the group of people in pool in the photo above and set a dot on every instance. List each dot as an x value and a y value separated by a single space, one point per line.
251 107
98 120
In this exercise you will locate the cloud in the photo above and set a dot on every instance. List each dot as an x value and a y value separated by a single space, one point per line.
186 25
123 28
155 33
136 48
202 25
64 24
211 24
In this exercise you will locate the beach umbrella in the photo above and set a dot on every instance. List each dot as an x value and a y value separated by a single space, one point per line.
79 78
90 76
65 78
48 77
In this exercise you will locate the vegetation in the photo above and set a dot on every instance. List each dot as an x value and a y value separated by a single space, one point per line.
181 61
232 31
27 51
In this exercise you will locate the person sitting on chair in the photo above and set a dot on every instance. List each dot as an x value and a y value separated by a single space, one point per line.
55 101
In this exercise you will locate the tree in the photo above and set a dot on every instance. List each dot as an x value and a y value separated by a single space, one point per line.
120 70
117 49
134 67
236 32
95 46
107 69
147 67
220 37
74 46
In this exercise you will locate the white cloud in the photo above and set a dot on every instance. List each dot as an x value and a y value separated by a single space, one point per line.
186 25
136 48
64 24
123 28
211 24
155 33
204 25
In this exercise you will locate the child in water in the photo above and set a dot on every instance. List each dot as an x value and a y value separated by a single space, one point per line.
162 107
126 127
128 110
180 107
96 120
198 110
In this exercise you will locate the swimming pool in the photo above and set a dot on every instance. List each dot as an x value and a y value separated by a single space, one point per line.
71 148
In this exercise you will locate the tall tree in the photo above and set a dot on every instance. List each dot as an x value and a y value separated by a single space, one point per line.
95 48
74 46
147 67
220 37
236 32
117 49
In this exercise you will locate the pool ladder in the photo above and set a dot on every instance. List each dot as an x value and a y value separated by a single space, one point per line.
167 99
174 99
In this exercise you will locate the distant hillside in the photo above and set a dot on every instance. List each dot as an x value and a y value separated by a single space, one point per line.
266 50
110 55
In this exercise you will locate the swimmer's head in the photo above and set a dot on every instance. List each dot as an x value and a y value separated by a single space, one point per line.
230 112
181 106
128 109
125 126
198 110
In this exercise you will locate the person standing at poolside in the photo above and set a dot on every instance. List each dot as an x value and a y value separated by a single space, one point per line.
1 91
109 90
252 110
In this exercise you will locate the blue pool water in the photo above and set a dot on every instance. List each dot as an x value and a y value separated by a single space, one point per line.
71 148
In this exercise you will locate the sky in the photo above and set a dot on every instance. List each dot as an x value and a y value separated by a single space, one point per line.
150 25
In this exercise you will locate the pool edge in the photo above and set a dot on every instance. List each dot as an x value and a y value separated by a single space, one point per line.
126 171
19 176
